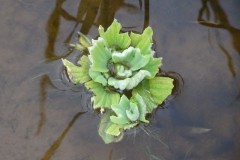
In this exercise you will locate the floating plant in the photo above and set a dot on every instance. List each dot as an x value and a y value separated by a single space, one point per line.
121 72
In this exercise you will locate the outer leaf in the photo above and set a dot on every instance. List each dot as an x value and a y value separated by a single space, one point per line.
129 112
120 110
84 40
143 41
160 88
104 125
133 112
135 38
102 98
154 91
131 57
153 66
142 90
113 37
78 74
97 77
128 83
142 107
114 129
99 55
129 126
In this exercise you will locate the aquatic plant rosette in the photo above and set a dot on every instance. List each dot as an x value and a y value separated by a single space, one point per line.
121 72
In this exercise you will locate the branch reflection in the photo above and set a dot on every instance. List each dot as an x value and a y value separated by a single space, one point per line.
220 20
50 152
44 85
90 13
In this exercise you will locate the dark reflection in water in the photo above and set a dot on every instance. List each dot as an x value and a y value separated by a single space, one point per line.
89 13
220 20
50 152
146 14
44 84
53 28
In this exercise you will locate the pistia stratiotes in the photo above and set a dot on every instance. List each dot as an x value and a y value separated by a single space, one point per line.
120 63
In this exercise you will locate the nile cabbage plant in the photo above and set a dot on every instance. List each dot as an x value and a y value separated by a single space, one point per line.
121 72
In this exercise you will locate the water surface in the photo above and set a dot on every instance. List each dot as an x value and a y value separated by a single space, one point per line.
43 116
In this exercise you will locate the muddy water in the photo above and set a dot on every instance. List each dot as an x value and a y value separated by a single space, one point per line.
42 116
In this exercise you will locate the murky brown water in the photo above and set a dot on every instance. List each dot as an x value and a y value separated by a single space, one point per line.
43 117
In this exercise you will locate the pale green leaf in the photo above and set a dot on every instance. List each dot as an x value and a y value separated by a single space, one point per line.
78 74
160 88
133 112
142 90
97 77
131 57
84 40
120 110
141 106
84 62
129 126
122 71
102 130
113 37
103 97
135 38
128 112
153 66
154 91
143 41
78 47
114 129
99 55
128 83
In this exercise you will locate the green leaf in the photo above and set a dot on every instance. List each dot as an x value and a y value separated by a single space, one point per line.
99 56
154 91
104 125
135 38
142 90
120 110
78 74
114 129
141 106
97 77
129 111
131 57
113 37
78 47
153 66
129 126
133 112
160 88
122 71
84 40
143 41
128 83
103 98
